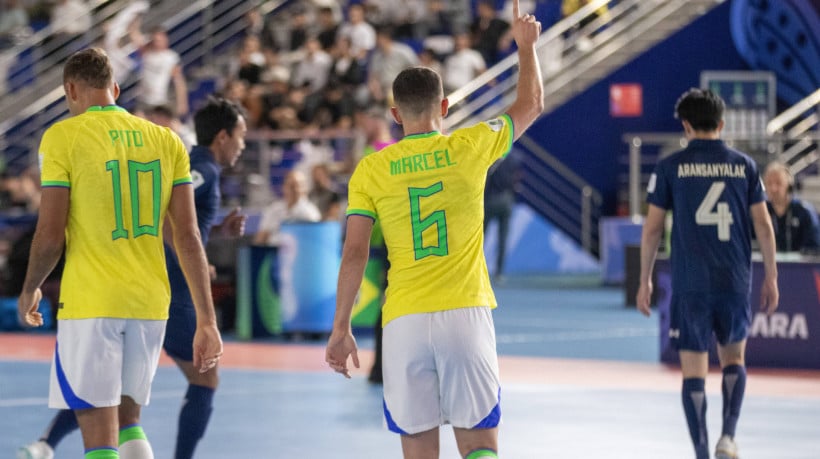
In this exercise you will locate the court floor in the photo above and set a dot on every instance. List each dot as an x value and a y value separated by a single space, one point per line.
579 372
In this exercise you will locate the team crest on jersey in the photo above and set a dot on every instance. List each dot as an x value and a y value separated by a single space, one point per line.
495 124
650 188
197 179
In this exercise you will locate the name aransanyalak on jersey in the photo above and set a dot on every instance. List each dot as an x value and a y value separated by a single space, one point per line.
712 170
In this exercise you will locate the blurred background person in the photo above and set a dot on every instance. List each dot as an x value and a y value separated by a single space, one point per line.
293 207
463 65
161 66
499 199
795 221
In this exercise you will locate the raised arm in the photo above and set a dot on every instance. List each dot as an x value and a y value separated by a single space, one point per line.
529 101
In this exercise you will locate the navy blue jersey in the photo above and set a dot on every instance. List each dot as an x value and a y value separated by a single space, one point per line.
709 189
205 176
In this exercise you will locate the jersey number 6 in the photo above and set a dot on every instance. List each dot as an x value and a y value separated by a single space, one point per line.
420 225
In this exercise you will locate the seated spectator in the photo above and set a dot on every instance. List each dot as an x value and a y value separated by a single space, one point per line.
313 70
161 65
162 115
428 58
294 207
70 19
328 28
389 59
445 18
250 61
463 65
362 35
795 222
487 31
325 193
405 17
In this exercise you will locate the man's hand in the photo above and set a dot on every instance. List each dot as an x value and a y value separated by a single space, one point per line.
27 306
525 29
769 296
644 297
340 346
207 347
234 224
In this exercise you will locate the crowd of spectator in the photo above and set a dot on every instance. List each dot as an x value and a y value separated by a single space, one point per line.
313 65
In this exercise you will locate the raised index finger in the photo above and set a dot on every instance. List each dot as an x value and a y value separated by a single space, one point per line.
515 9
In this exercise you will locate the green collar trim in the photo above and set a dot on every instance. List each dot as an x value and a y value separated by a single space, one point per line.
422 135
107 108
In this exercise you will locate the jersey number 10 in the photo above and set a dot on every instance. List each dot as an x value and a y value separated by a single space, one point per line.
721 216
135 168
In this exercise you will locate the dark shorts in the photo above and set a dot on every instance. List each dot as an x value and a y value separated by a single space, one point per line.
179 332
695 316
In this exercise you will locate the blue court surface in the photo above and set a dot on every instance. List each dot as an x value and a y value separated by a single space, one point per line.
580 380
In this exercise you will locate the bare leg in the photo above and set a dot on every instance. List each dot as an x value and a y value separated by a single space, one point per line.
424 445
469 440
192 374
99 427
732 354
129 412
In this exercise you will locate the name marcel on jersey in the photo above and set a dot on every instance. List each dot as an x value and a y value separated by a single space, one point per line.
712 170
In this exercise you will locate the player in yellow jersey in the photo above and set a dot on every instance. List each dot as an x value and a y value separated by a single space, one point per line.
440 363
109 179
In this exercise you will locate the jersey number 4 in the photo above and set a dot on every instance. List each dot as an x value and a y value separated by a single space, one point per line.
134 170
712 212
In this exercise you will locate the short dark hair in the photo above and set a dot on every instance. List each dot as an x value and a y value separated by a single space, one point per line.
90 66
702 108
417 90
216 115
160 110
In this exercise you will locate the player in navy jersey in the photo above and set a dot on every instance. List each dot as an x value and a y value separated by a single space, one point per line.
220 130
716 198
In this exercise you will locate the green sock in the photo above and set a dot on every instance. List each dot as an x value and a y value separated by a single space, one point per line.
132 433
102 453
482 454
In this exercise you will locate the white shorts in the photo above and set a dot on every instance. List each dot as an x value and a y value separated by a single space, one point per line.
441 368
97 361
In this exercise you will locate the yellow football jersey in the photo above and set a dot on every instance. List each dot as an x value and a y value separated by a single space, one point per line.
120 170
427 191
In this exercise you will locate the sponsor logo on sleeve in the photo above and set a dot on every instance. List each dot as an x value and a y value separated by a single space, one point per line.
495 124
650 188
197 179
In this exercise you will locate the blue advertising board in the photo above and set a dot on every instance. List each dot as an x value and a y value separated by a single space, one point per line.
789 338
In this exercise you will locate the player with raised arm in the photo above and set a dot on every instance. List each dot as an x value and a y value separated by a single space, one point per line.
440 364
109 180
716 197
